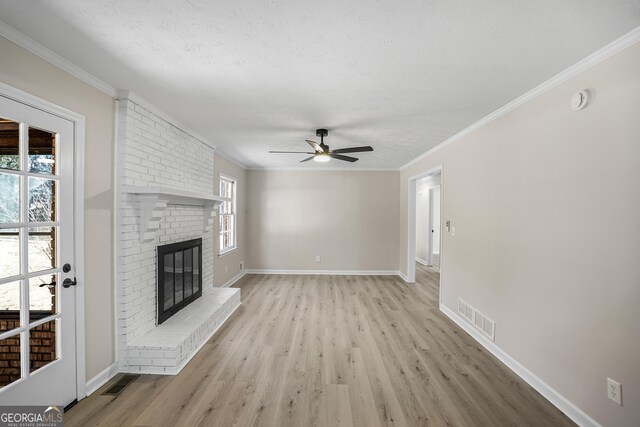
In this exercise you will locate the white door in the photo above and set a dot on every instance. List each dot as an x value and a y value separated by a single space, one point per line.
435 227
37 285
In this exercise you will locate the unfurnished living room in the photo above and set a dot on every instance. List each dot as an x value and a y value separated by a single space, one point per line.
319 213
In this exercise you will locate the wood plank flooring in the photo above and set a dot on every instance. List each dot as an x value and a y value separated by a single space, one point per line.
331 351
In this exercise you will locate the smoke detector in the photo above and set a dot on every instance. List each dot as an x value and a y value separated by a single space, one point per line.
580 99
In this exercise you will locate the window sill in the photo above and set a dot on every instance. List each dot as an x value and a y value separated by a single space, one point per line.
227 252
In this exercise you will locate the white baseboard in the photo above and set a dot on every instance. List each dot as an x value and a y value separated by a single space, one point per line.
101 379
327 272
234 279
558 400
403 276
422 261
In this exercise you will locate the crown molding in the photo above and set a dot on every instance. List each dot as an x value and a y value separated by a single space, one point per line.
137 99
48 55
230 159
53 58
302 169
606 52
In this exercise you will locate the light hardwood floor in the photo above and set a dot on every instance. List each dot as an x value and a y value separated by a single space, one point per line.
331 350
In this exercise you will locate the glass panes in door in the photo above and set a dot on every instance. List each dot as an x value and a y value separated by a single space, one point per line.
29 266
9 144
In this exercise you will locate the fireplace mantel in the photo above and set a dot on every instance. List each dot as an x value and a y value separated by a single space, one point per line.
153 202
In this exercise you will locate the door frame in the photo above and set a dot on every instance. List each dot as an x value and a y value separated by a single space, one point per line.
430 229
431 249
411 223
78 121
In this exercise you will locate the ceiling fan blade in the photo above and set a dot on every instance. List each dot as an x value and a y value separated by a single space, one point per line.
345 158
307 159
296 152
353 150
315 146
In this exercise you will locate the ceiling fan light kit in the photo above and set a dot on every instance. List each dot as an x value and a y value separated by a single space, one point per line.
321 152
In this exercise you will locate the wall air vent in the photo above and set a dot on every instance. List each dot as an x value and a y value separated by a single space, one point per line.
477 319
489 328
462 307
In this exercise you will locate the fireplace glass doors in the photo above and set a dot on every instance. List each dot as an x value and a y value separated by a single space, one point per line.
179 276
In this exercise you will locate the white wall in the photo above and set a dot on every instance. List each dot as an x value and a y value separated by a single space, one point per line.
25 71
349 218
546 206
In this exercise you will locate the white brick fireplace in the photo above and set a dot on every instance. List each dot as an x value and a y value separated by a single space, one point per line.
165 195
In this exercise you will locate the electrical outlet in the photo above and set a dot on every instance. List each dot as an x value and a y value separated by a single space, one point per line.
614 391
241 265
317 258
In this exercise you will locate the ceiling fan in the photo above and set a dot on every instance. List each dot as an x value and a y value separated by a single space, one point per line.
322 153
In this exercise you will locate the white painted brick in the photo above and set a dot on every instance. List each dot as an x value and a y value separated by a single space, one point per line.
155 152
152 370
164 362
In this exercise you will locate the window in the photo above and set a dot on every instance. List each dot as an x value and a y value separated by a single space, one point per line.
227 214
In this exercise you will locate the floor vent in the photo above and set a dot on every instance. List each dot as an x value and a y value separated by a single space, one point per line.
120 385
477 319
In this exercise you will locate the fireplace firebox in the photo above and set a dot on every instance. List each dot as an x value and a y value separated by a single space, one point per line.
179 276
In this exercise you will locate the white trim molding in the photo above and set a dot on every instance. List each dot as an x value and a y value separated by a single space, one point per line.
326 272
606 52
421 261
114 232
230 159
553 396
79 236
137 99
101 379
50 56
234 279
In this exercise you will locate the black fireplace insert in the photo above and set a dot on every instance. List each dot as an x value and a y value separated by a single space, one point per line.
179 276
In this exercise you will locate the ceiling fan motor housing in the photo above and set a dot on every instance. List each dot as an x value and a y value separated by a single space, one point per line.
322 133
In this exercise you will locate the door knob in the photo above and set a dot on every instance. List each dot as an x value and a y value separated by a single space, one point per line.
68 282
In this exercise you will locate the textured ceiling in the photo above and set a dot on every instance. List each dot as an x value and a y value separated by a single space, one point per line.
254 76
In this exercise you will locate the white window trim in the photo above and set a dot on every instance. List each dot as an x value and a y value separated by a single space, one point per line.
230 249
227 251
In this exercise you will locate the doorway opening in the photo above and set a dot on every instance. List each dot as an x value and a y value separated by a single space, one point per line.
424 254
428 221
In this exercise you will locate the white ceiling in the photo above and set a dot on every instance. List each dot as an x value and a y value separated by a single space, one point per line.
254 76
